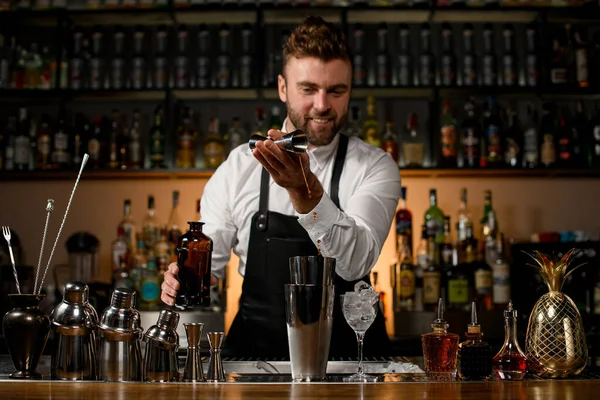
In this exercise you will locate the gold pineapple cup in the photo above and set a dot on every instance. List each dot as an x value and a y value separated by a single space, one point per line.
555 344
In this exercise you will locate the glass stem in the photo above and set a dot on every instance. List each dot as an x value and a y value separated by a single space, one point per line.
359 338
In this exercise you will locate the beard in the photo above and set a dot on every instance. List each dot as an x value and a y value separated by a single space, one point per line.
324 135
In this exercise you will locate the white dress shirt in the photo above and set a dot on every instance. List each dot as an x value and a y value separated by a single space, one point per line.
369 191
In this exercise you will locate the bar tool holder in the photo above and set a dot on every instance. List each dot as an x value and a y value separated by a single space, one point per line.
215 364
74 326
193 365
294 142
162 342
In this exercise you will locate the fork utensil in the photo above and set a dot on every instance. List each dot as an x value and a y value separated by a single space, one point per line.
7 236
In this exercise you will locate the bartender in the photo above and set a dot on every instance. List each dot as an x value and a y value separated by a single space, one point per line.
262 206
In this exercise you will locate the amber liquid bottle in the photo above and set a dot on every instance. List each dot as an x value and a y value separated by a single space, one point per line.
510 363
194 254
474 355
440 349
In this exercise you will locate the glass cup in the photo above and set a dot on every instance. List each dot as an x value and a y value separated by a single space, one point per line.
359 314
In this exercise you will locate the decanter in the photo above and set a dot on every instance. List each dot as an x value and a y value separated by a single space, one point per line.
474 355
510 363
440 349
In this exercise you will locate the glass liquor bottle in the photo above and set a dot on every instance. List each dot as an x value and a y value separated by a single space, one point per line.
371 132
186 141
469 69
510 363
440 349
353 127
489 67
156 138
426 63
471 137
448 137
432 277
413 148
404 276
530 138
509 68
463 217
150 225
174 224
194 253
474 355
237 134
404 222
214 145
383 65
405 64
434 218
275 122
390 144
448 62
128 226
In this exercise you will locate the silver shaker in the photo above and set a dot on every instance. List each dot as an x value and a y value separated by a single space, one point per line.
162 341
119 350
215 363
74 328
193 364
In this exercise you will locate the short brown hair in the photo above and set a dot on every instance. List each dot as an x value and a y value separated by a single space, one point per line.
316 38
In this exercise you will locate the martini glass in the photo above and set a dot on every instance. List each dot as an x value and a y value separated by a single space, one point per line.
360 312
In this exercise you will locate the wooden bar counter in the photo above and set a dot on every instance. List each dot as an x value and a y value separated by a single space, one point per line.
530 390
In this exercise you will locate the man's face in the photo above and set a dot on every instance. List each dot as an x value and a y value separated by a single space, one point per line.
317 95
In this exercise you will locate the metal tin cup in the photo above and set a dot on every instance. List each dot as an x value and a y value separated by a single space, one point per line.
312 270
309 319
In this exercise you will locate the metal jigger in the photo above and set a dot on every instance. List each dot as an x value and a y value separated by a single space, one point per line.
193 364
215 364
295 142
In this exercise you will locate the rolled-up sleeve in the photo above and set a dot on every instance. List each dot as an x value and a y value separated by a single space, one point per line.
355 236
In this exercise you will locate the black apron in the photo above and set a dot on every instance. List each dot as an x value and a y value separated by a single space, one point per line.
259 328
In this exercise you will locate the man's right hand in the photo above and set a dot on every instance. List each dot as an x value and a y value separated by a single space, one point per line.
170 284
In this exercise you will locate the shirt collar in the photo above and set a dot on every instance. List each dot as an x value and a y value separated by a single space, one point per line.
319 156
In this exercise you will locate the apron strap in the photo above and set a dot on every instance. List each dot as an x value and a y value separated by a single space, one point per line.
338 166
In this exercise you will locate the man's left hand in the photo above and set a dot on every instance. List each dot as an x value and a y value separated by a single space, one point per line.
286 170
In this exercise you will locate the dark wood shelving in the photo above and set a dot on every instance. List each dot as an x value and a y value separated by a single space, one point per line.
207 173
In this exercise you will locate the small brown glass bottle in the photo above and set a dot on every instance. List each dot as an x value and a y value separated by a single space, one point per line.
194 254
474 355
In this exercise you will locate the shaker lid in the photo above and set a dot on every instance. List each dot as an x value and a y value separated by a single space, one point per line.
76 292
164 333
82 242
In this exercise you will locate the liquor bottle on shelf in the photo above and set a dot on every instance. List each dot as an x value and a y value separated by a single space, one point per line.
60 153
512 140
548 136
448 137
203 63
382 59
21 152
448 61
531 58
471 137
123 143
76 65
117 69
174 224
404 278
353 127
493 134
371 130
474 354
510 363
390 144
135 141
259 125
434 218
404 73
489 228
382 295
458 284
426 62
127 224
9 144
236 135
501 276
182 67
565 145
358 60
483 278
186 141
120 251
160 68
114 134
580 129
43 140
445 253
432 277
509 58
463 218
150 225
224 57
156 138
469 67
246 62
413 147
440 349
139 77
581 59
559 67
214 145
530 138
489 76
404 222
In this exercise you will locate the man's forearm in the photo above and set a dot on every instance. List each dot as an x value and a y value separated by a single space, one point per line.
305 199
